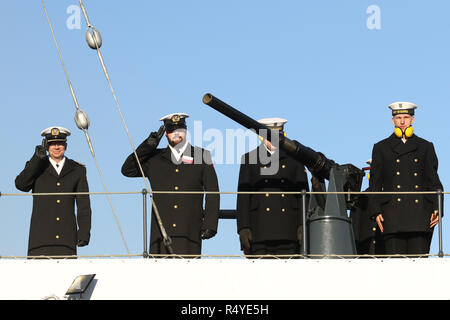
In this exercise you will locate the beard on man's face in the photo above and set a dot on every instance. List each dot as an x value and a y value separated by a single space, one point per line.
176 137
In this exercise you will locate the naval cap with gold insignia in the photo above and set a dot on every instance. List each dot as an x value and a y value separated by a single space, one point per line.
273 123
55 134
174 121
402 107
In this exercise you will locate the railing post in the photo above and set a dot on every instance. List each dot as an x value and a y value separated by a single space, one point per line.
441 252
305 245
144 222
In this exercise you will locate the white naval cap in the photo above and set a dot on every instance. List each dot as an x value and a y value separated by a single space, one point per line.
55 133
273 123
402 107
174 121
176 115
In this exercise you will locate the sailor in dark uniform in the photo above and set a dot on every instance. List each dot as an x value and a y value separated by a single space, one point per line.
55 229
179 167
405 162
270 223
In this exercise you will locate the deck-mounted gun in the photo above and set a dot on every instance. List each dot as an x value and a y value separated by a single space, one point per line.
329 228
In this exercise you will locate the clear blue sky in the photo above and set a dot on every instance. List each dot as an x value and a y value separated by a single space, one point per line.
315 63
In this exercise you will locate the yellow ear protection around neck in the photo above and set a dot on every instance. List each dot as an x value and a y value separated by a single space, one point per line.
407 133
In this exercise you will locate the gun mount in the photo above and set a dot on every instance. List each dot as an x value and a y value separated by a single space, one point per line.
329 228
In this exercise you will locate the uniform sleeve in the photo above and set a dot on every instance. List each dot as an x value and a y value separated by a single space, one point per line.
376 181
33 169
83 208
212 202
130 168
433 182
243 200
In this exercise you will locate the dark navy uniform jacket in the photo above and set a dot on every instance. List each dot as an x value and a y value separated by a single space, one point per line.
182 214
410 166
270 216
53 220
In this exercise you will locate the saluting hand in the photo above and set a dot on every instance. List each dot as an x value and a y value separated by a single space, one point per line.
40 152
155 137
379 219
434 218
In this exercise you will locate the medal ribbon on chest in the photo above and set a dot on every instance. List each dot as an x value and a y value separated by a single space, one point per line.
187 159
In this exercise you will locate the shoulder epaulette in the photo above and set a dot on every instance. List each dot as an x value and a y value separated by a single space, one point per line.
79 163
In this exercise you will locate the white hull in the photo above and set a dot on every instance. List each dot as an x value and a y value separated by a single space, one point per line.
229 279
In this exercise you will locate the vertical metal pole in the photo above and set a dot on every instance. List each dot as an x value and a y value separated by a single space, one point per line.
144 222
441 252
305 245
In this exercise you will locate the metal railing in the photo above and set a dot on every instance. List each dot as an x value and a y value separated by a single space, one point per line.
231 214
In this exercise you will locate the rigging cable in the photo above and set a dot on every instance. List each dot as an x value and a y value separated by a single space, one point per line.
94 41
83 124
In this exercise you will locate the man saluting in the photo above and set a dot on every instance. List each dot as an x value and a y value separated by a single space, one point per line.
54 229
179 167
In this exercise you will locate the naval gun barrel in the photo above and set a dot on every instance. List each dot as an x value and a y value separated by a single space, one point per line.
316 162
